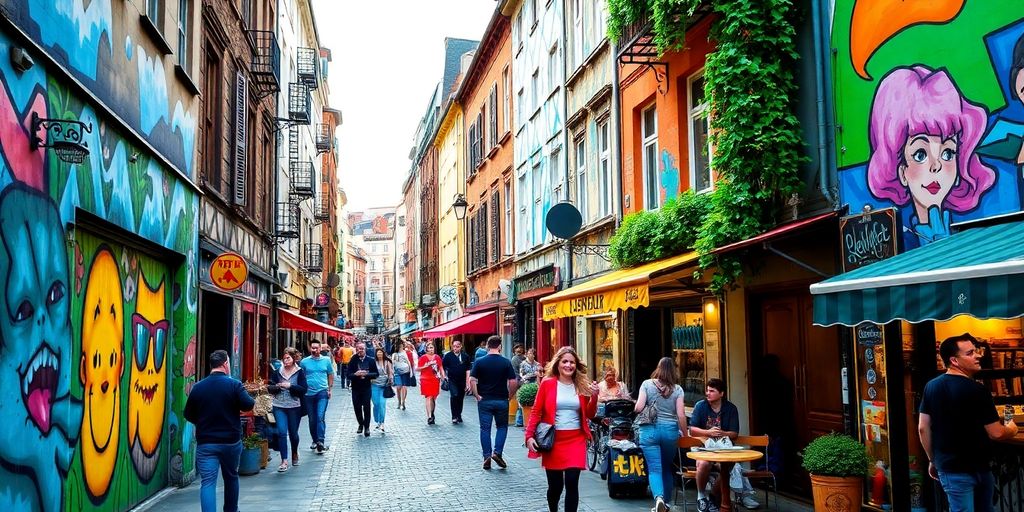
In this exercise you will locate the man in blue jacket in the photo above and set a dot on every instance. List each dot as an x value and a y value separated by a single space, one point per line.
213 406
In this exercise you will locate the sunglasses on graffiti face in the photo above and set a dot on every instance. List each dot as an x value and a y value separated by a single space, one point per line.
143 330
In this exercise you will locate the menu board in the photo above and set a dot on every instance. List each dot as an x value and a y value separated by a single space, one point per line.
868 237
869 348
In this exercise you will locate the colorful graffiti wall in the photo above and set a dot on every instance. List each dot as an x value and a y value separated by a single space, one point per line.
97 273
930 100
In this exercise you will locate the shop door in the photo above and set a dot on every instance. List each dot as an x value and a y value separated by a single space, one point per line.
798 393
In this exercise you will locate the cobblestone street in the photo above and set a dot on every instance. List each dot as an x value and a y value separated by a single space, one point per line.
414 467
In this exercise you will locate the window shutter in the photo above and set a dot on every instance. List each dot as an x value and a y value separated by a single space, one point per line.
495 228
241 114
483 234
493 135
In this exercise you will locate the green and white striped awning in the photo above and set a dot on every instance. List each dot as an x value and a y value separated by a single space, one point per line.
977 272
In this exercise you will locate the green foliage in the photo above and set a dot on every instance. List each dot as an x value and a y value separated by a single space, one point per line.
750 83
836 455
647 236
527 394
252 441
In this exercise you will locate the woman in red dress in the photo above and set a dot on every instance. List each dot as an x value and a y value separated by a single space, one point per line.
431 373
566 399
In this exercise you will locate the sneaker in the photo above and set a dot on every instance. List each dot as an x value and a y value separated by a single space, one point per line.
358 431
660 505
487 463
313 446
295 461
496 457
455 421
320 449
366 432
748 502
705 505
376 427
283 467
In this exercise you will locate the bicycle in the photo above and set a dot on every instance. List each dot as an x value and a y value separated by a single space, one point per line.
597 447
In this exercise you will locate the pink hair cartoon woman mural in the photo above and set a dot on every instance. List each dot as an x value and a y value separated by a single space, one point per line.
923 134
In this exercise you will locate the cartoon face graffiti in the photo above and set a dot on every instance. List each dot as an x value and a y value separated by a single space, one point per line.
100 371
41 419
147 401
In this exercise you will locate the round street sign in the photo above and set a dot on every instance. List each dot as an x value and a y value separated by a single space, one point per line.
564 220
229 271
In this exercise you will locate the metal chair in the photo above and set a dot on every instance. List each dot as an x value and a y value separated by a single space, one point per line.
760 443
687 468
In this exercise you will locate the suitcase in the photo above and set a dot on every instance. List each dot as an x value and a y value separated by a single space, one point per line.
627 473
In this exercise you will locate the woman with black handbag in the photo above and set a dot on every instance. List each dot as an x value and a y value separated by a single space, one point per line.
379 387
661 419
559 426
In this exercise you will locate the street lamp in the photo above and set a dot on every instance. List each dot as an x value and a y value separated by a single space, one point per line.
460 205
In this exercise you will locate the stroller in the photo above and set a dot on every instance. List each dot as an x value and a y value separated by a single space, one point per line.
625 468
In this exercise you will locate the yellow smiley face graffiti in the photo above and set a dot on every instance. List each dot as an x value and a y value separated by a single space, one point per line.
147 403
100 369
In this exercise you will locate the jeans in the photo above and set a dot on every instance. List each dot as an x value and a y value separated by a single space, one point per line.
456 398
343 374
519 416
496 411
316 409
658 443
379 403
968 492
210 458
361 405
287 420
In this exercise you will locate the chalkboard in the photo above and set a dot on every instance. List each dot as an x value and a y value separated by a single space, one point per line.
868 237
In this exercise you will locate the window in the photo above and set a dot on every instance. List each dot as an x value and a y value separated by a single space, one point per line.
155 13
523 193
555 172
649 158
581 177
577 25
492 108
495 226
473 150
700 143
184 48
506 83
605 168
520 114
517 30
506 232
553 68
533 14
212 117
534 95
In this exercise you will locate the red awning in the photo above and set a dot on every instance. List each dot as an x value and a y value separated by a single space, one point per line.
478 323
778 232
288 320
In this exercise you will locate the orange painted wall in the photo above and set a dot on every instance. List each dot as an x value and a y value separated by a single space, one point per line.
639 90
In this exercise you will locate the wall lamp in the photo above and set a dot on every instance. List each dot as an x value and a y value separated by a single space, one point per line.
64 136
460 205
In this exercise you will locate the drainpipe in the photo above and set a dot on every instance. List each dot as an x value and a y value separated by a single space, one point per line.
821 102
565 139
617 116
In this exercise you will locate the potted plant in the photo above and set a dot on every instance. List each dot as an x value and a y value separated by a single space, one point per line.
838 464
252 452
526 395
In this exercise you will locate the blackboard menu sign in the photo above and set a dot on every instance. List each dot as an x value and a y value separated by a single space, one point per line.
868 237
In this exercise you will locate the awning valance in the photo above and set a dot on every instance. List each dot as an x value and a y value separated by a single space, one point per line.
623 289
288 320
478 323
978 272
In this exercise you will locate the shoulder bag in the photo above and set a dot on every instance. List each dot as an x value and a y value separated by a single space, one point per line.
544 436
649 414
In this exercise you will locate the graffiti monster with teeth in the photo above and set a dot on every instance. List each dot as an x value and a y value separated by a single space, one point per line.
41 419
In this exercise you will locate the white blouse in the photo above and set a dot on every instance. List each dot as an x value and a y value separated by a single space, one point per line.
567 408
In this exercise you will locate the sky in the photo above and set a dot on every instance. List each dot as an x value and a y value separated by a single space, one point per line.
387 56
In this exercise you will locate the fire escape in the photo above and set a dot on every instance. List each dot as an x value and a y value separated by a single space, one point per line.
265 72
300 171
640 48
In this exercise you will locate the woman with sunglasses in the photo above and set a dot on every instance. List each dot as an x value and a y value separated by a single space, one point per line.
288 385
566 399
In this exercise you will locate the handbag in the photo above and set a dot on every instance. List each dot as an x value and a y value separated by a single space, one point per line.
389 392
649 414
444 385
544 436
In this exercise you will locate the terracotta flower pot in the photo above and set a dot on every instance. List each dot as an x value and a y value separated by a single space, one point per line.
837 494
513 406
264 453
526 413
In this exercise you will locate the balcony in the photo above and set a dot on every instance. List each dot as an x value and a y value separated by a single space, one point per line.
300 179
313 258
322 209
323 138
265 73
287 220
306 67
299 101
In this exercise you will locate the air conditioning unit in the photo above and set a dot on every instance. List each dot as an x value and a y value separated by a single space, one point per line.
428 300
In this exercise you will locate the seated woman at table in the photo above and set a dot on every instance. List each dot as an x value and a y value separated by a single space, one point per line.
714 418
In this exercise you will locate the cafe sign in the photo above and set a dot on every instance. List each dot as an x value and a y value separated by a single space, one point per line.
595 303
868 237
229 271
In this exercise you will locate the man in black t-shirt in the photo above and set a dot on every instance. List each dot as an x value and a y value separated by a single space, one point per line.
957 424
492 380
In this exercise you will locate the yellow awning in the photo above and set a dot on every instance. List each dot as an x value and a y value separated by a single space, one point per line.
623 289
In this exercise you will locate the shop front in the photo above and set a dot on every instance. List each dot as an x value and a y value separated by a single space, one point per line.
530 328
897 312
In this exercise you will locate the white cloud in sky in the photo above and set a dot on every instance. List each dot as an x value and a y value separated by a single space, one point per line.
387 57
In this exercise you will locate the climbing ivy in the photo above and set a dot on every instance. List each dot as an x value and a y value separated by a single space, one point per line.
749 80
647 236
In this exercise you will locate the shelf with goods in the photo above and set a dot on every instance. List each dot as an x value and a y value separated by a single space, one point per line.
688 352
1002 355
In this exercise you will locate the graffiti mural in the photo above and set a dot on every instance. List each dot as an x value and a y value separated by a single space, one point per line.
930 97
148 400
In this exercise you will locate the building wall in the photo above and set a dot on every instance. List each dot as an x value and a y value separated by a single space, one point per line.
451 165
329 197
640 90
61 262
430 245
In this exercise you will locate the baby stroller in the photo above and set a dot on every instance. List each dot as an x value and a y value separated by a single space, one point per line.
625 467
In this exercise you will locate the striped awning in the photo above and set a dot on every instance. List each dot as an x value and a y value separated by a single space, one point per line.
977 272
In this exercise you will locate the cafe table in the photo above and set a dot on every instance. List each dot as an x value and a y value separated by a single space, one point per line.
727 456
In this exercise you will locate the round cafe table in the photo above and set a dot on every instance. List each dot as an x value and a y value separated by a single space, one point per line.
729 457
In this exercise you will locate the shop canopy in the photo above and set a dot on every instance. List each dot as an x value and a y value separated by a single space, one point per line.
288 320
622 289
477 323
977 272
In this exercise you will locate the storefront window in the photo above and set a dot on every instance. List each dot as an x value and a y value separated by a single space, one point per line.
688 349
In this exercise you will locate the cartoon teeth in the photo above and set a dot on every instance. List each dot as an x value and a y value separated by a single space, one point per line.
39 385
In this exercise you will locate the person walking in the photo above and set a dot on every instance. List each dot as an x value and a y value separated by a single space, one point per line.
658 440
385 376
957 425
319 379
431 373
345 352
288 385
363 369
566 399
213 406
456 367
492 381
518 356
529 370
402 361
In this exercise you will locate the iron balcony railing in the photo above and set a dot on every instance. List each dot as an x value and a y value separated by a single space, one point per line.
306 70
323 138
287 220
299 101
313 258
301 179
266 62
322 209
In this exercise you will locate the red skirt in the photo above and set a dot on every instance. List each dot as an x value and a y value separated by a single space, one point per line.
569 451
430 388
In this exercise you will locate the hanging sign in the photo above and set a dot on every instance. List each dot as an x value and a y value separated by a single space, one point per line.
868 237
229 271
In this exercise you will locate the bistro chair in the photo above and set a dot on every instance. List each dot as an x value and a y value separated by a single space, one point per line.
760 443
687 468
